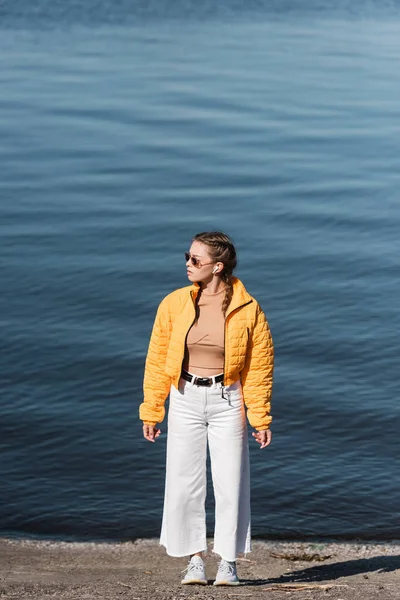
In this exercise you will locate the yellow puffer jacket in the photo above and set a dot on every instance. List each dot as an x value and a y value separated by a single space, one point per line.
249 353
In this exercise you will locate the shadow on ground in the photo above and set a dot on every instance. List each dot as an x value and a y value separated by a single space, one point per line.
383 564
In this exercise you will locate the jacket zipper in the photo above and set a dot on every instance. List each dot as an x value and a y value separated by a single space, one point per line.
226 317
187 333
229 313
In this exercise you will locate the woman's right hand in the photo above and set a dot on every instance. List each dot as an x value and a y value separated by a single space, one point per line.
151 432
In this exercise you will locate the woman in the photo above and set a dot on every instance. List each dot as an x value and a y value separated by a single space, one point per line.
211 350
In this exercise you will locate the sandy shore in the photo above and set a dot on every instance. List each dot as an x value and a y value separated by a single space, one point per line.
141 569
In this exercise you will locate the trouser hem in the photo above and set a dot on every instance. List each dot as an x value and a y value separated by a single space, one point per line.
193 550
231 559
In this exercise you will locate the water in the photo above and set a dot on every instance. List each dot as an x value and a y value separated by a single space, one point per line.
125 130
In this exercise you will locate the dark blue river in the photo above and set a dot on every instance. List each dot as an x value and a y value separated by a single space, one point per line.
126 128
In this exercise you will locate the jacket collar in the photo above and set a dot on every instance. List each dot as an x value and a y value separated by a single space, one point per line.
239 298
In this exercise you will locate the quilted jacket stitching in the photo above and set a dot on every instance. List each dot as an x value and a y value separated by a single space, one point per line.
249 353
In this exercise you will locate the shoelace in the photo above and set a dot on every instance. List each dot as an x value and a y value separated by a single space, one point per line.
192 567
226 567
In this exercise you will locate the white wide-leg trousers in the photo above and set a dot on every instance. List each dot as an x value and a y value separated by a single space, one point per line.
197 415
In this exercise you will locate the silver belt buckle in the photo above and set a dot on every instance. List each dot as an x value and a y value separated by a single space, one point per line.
204 380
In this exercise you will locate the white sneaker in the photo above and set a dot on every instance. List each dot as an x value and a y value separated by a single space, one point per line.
195 573
226 573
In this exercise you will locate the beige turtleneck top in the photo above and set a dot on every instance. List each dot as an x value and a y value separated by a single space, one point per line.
205 343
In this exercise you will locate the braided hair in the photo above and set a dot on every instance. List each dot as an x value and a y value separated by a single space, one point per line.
221 249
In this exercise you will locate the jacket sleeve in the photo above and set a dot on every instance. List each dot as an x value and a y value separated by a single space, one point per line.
257 374
156 385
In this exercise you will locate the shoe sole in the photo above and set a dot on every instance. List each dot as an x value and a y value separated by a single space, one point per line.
194 582
226 583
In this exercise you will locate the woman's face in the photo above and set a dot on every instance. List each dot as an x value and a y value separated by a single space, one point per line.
203 270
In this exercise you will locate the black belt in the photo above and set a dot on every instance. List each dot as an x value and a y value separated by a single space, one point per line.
201 380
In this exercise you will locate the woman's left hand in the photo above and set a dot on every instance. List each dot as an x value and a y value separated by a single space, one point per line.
263 437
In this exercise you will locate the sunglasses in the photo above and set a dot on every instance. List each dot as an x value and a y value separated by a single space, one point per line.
195 261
